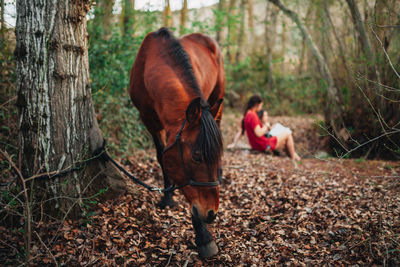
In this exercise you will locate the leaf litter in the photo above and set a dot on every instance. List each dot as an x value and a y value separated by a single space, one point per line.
322 212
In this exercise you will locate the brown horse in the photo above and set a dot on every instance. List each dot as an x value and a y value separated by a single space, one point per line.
178 86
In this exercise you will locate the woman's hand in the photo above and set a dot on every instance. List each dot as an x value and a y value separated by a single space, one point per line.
268 125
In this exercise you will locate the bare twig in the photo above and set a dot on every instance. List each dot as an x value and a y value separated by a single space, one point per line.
77 200
369 141
170 257
27 205
8 101
41 241
188 258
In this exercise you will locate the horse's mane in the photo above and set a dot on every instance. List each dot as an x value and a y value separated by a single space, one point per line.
209 139
180 58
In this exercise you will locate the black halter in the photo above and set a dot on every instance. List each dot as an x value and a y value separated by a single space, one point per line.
190 181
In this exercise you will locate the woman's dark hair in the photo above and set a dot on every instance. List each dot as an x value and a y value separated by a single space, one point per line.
254 100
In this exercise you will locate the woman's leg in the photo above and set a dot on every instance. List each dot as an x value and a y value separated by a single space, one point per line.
285 141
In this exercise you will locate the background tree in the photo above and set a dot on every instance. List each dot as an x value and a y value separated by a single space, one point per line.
58 129
128 16
184 12
332 109
219 20
2 23
167 14
103 16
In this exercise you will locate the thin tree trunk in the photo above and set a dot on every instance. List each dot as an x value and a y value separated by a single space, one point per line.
128 13
303 43
184 12
231 36
270 21
332 111
365 46
2 24
250 20
342 53
103 16
241 35
57 124
167 14
362 34
219 21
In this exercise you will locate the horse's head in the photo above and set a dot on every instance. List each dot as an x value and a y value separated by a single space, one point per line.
193 161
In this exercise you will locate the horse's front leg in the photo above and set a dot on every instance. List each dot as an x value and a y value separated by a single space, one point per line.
166 199
206 245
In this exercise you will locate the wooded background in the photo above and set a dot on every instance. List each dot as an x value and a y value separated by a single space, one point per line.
337 58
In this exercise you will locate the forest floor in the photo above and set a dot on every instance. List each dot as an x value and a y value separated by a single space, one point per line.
324 211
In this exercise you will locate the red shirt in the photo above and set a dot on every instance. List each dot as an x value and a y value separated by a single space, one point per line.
251 120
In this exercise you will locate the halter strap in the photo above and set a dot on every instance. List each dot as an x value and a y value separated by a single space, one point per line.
190 181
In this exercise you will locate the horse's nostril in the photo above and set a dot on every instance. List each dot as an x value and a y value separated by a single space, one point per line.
210 216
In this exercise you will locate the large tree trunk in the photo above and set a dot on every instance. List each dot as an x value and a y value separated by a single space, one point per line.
332 109
57 124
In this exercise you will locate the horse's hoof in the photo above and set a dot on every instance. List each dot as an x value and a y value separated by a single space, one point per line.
208 250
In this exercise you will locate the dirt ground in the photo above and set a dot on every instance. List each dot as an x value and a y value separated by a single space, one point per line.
325 211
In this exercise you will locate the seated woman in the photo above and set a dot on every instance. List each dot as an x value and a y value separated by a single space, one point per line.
276 129
256 131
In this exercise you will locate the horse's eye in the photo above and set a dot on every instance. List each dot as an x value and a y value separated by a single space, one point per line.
196 156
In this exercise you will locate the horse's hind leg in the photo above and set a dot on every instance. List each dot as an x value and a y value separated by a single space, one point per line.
166 200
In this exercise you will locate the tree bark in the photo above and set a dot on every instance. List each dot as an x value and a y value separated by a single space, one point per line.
57 124
184 12
333 110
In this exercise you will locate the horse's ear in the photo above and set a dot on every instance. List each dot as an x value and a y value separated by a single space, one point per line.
216 109
193 110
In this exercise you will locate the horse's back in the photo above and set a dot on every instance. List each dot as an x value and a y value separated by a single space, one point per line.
156 79
206 59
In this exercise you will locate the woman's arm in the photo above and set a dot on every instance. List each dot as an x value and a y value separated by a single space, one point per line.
235 140
260 131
